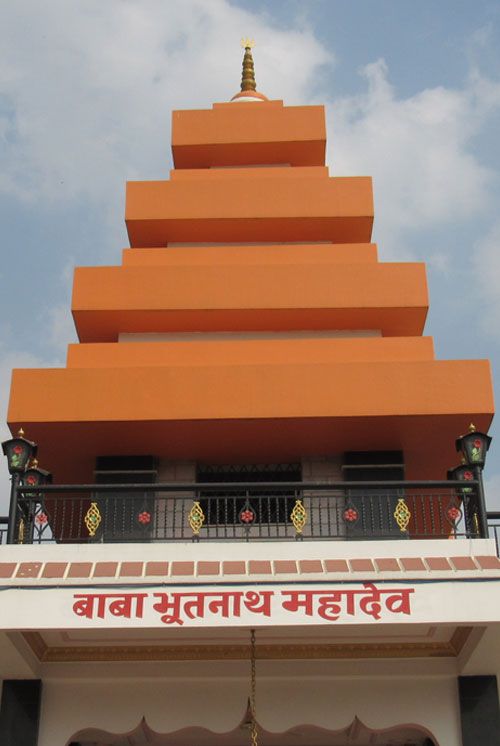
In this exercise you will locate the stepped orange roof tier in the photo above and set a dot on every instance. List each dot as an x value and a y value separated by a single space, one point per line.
254 208
243 135
250 321
215 412
190 297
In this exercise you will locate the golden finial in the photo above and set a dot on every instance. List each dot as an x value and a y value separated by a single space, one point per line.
20 432
34 463
472 428
248 74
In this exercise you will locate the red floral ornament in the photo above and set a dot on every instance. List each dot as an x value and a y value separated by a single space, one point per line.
17 450
453 513
350 515
144 517
477 443
41 519
247 516
31 479
468 475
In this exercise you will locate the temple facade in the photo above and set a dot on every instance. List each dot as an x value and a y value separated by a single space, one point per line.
250 533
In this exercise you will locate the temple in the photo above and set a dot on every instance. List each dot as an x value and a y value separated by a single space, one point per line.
256 528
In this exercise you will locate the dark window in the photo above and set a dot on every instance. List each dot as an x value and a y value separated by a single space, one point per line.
373 459
270 506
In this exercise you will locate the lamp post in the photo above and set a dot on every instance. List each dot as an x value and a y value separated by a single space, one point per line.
19 452
464 473
473 446
34 477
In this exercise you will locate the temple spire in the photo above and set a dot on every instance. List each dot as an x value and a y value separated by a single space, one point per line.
248 72
248 86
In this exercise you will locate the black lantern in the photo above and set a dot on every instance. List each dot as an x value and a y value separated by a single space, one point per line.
35 476
462 473
473 447
19 451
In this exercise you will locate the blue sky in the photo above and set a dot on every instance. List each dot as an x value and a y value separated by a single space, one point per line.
413 99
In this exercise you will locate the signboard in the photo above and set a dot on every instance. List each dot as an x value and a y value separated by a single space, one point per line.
177 607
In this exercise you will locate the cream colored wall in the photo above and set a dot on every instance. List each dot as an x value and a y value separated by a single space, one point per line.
16 663
289 694
223 550
176 471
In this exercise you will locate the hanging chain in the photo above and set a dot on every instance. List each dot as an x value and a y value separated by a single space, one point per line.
253 730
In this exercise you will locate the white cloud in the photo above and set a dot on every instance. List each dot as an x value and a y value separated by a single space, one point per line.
419 151
88 87
60 330
486 272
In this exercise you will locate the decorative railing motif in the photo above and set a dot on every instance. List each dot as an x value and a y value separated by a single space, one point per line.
245 512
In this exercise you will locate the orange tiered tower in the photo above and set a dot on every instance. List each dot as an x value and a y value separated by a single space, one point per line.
250 320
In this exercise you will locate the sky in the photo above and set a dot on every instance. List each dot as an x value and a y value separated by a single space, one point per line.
412 96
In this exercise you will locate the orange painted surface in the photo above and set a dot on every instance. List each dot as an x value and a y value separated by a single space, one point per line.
428 441
283 285
247 351
234 134
109 300
105 326
245 255
216 413
336 209
290 390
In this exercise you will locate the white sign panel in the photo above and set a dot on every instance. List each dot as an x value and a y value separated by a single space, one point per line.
269 605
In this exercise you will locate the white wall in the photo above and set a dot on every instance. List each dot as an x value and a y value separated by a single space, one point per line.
285 698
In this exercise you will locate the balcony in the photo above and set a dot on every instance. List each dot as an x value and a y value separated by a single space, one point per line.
246 511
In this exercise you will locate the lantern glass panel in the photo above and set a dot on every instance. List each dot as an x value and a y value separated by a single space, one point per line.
474 446
463 473
18 451
36 476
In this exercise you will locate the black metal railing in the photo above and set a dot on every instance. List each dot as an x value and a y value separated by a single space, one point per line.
494 527
246 512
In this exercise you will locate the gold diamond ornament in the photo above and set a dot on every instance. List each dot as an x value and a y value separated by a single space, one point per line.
196 518
93 519
298 516
402 514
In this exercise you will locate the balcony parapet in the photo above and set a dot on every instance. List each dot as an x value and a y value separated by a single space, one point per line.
246 512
